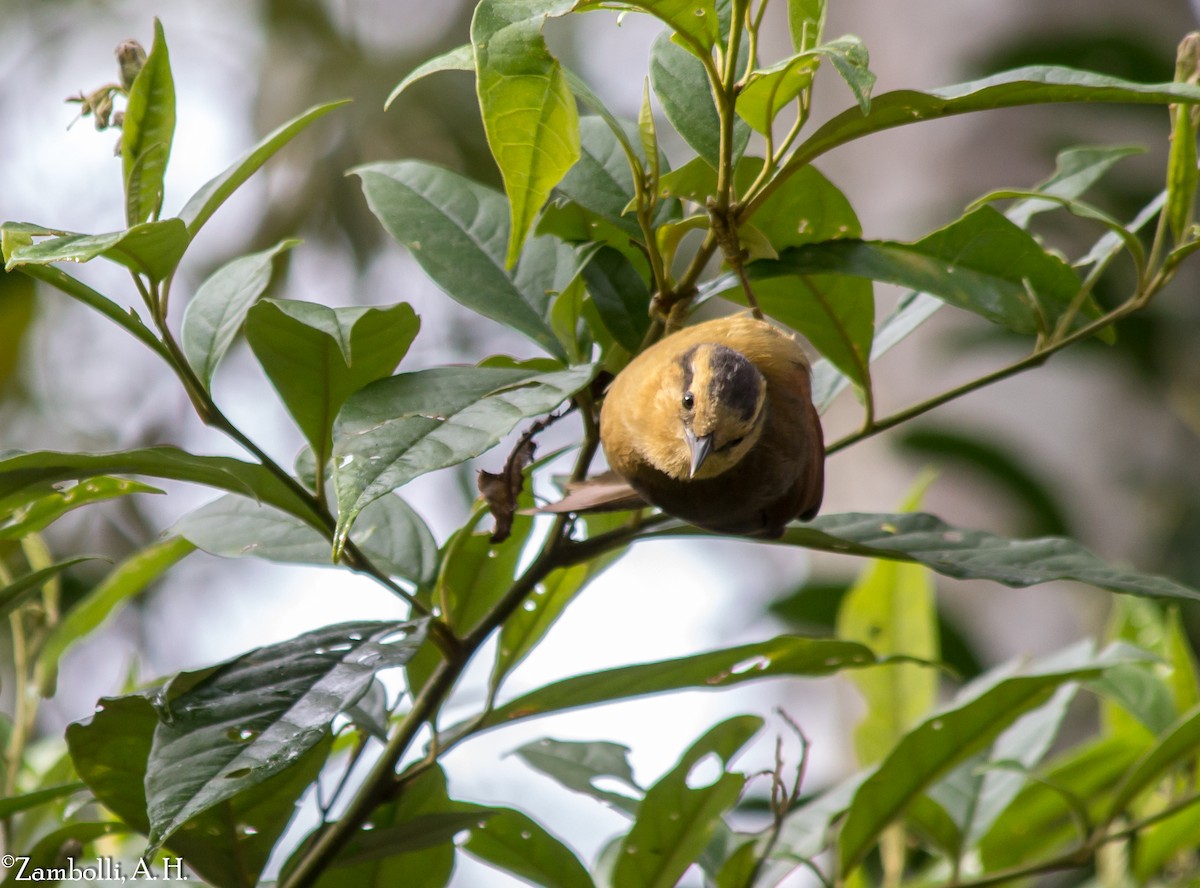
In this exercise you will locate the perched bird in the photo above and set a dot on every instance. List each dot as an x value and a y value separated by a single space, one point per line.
715 425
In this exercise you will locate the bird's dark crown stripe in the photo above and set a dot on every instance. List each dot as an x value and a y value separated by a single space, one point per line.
734 381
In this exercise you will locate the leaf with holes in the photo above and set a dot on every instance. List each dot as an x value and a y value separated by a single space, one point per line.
577 766
231 727
676 819
150 248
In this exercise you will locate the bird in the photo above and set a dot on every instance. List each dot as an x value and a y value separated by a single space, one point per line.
715 425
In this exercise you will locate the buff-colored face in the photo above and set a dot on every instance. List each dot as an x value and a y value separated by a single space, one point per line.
713 404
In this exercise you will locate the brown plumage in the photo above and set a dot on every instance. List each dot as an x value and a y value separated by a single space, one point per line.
715 425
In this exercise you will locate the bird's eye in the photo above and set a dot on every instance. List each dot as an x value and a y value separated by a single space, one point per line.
688 401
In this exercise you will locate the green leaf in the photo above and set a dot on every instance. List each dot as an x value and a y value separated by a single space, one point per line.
676 820
946 738
529 114
849 56
1075 171
40 513
981 262
457 231
1177 744
1040 819
130 577
784 655
151 248
578 765
682 87
231 727
1136 698
227 845
16 319
14 594
806 21
217 311
316 357
769 90
147 132
18 803
978 791
891 608
399 428
389 532
602 181
971 554
475 573
621 297
216 191
25 470
513 842
461 58
1021 86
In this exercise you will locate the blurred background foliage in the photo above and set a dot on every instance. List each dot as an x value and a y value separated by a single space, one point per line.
1101 444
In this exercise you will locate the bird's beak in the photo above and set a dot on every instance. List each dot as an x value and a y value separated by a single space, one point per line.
699 448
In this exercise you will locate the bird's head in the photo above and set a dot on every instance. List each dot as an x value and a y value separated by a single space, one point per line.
715 401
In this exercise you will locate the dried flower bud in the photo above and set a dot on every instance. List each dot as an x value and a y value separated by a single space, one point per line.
103 108
131 58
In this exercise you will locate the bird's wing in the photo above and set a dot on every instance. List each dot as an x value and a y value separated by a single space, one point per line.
606 492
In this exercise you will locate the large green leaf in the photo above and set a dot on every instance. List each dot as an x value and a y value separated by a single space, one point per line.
457 231
601 180
529 114
946 738
981 262
217 311
25 470
399 428
147 131
891 608
389 532
40 513
149 248
682 87
228 845
216 191
978 790
621 297
784 655
47 855
1021 86
769 90
125 580
231 727
1076 170
969 554
316 357
1042 818
806 21
677 818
